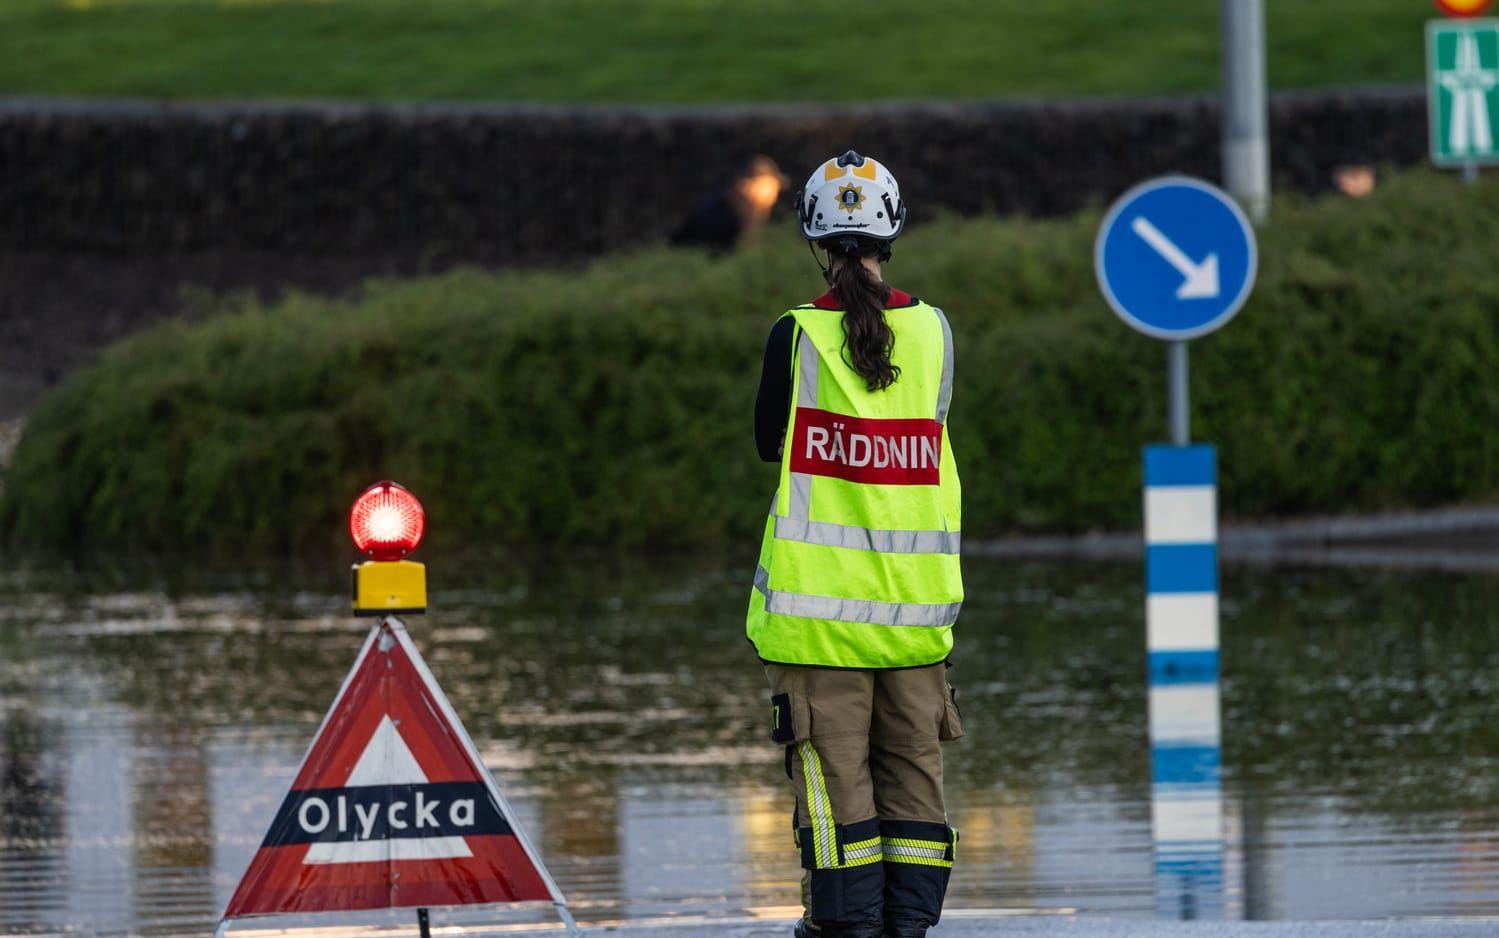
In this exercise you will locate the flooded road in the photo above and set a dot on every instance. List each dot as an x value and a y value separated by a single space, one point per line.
148 736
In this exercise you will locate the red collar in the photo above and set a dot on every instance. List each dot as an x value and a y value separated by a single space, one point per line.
896 300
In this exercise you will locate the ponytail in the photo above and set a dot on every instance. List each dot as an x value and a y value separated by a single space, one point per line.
868 338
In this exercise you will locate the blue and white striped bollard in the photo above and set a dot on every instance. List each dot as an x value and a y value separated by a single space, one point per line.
1181 574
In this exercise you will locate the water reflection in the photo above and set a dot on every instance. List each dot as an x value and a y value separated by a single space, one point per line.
1186 798
31 806
146 739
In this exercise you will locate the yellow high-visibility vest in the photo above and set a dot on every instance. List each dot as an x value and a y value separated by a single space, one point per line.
859 565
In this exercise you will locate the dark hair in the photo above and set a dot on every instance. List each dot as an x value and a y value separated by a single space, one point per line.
867 337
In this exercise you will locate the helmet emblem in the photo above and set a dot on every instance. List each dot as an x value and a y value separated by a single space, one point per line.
850 197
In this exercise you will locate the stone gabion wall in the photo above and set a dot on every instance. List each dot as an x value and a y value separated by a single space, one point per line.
528 183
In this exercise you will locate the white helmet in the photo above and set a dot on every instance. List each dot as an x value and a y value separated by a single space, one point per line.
851 195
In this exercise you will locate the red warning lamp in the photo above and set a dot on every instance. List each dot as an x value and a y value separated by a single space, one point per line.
1464 8
387 521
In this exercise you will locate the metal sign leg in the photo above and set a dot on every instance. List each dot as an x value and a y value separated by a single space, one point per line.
1180 399
567 919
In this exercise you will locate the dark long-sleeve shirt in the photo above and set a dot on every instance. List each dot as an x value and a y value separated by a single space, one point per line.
773 402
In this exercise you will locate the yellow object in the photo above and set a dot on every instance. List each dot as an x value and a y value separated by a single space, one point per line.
859 564
387 587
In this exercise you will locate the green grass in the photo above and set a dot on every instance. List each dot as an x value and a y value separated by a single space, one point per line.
679 50
611 405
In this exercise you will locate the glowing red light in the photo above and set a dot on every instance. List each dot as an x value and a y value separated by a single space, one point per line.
1465 7
387 521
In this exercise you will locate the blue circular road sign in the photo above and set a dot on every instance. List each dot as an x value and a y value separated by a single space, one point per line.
1176 258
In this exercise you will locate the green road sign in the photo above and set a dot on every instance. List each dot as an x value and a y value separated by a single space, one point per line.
1462 59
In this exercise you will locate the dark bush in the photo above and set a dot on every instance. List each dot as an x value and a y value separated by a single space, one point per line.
508 183
611 406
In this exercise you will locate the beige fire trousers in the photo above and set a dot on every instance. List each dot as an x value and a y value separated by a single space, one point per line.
864 757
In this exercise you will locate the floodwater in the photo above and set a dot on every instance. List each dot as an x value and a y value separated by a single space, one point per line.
147 736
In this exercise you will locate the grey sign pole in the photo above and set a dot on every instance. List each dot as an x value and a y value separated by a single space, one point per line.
1179 398
1246 139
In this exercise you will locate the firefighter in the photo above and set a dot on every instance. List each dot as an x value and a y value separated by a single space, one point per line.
858 584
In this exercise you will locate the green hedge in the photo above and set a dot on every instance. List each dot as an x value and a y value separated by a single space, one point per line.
611 405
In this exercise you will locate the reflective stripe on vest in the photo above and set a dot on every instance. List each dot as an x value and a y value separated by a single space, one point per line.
926 615
944 394
856 538
808 365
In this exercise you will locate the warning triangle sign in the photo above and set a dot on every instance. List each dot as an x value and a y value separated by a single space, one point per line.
392 807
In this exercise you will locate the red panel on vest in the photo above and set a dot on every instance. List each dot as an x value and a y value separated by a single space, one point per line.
391 807
861 449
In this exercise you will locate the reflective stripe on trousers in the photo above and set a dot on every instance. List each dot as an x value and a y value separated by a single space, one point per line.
824 828
919 852
865 851
820 807
806 606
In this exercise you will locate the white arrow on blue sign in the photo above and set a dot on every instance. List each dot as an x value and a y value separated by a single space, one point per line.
1176 258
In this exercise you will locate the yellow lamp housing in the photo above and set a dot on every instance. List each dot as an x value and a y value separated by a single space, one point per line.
384 588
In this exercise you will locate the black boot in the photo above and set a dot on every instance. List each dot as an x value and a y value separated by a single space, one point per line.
805 929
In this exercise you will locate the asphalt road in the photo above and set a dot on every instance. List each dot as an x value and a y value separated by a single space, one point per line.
1055 926
962 924
1003 928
